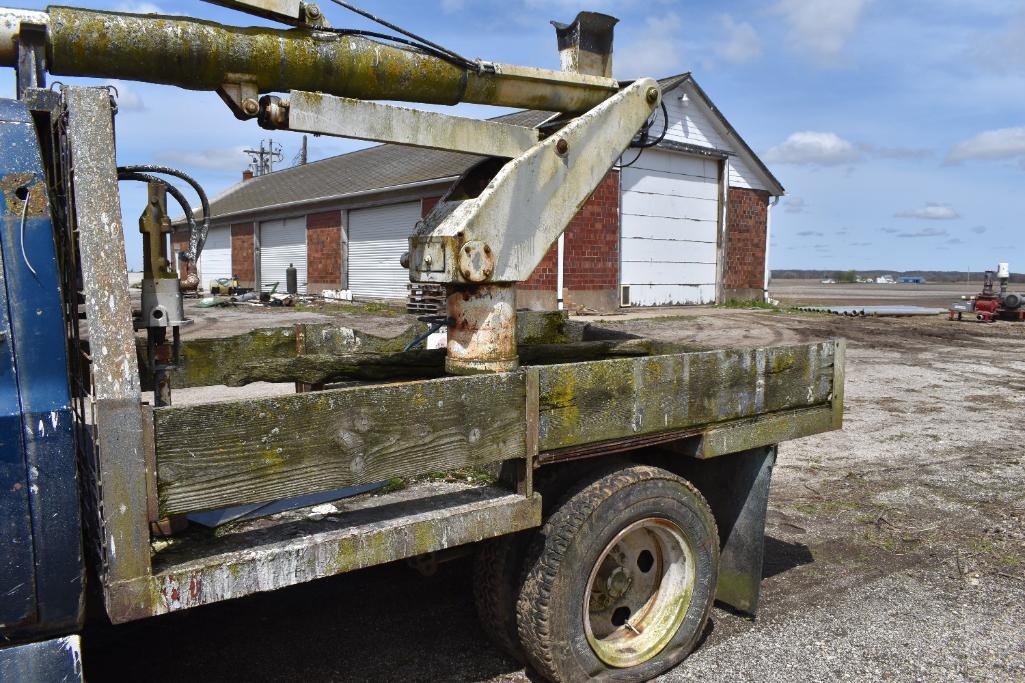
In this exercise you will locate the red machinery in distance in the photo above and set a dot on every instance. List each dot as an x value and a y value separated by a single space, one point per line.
991 305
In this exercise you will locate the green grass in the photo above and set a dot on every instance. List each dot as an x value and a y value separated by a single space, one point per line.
749 303
365 308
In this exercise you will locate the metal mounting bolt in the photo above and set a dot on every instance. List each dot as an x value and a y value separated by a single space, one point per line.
467 249
250 107
561 147
312 11
652 95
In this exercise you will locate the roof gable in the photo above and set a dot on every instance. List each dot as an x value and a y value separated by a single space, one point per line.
708 127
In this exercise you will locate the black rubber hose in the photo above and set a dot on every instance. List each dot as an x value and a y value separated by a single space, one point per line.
196 240
190 217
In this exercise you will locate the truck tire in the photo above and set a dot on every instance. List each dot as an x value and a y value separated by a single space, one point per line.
497 571
498 564
619 582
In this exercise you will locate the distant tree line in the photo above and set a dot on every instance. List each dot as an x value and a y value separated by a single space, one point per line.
853 275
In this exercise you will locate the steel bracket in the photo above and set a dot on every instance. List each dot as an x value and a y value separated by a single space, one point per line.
242 95
31 69
520 207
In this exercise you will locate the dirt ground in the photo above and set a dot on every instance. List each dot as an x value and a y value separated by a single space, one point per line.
895 549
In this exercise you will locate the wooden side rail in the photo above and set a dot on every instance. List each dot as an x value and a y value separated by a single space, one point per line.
583 403
231 453
223 454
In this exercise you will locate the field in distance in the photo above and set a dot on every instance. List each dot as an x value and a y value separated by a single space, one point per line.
813 292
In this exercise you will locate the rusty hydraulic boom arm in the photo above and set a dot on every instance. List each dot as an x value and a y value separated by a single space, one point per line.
492 228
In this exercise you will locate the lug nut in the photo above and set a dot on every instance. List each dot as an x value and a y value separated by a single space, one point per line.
561 147
652 95
312 11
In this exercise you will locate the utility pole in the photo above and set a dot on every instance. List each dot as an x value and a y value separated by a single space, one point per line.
261 161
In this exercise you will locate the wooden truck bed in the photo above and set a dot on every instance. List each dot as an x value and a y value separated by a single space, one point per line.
231 452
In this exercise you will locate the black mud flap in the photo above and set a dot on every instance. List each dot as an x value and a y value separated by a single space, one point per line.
737 489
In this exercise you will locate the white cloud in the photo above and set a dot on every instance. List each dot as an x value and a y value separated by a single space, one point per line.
931 211
142 8
451 6
814 148
660 52
795 205
223 159
739 42
821 26
128 98
925 232
1003 143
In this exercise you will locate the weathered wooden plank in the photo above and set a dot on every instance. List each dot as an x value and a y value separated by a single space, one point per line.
237 452
324 368
208 362
764 431
284 554
588 402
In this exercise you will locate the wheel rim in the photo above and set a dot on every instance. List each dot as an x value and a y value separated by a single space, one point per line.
638 592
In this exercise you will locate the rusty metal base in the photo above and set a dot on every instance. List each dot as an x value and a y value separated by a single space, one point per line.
481 329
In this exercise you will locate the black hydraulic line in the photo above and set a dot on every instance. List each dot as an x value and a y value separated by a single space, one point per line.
408 34
448 57
197 240
643 143
190 217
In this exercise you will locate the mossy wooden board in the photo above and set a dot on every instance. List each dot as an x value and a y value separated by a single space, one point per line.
222 454
589 402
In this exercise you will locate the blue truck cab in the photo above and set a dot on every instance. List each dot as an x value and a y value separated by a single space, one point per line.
41 564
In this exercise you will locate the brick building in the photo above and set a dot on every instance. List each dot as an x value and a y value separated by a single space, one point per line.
685 223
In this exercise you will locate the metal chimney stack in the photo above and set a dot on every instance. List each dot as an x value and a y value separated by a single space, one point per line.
585 46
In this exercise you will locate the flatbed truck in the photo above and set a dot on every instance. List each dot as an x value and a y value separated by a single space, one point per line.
630 477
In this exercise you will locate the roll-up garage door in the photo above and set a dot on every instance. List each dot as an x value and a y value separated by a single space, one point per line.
377 239
282 242
215 260
670 221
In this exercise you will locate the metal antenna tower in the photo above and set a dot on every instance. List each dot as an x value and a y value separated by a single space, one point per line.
261 161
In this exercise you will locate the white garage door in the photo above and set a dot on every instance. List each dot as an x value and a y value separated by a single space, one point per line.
377 239
670 209
215 260
282 242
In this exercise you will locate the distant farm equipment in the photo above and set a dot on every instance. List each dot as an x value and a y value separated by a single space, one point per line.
991 305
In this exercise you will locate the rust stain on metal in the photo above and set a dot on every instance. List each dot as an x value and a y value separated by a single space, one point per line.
482 329
17 188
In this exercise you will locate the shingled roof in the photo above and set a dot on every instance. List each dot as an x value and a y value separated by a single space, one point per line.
378 168
374 168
